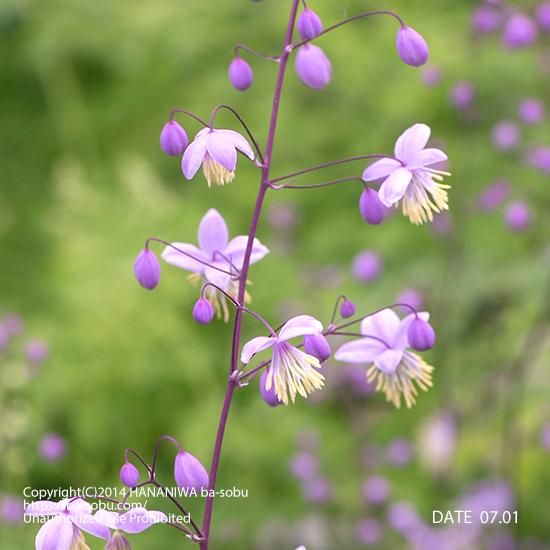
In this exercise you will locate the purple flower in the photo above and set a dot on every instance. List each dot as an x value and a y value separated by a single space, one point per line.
173 139
539 158
462 95
385 345
411 47
438 441
494 195
64 529
518 216
542 15
129 475
309 24
505 135
36 351
399 452
531 110
189 473
203 312
375 490
370 207
240 74
442 224
268 395
366 266
402 517
368 531
291 371
486 19
216 150
520 31
312 66
11 509
317 345
410 297
421 335
431 76
304 466
52 447
410 177
347 309
147 269
133 521
316 490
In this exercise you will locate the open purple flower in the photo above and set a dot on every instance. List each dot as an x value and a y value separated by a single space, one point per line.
385 346
214 253
63 530
133 521
216 150
291 371
410 177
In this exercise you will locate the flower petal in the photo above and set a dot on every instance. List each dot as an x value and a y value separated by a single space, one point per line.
401 340
193 156
212 234
138 519
411 141
222 150
174 257
255 346
383 325
239 142
56 534
45 508
300 325
237 247
79 506
389 360
107 518
394 187
380 169
217 277
89 523
426 157
362 351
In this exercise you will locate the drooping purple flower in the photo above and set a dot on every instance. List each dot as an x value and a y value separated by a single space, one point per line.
410 177
368 531
494 195
366 266
240 74
291 371
52 447
399 452
505 135
147 269
518 216
375 490
347 309
309 24
542 16
411 47
462 95
189 473
531 110
203 311
370 207
317 346
173 139
129 475
216 150
69 518
431 76
268 395
520 31
421 335
312 66
486 19
133 521
539 158
36 351
385 346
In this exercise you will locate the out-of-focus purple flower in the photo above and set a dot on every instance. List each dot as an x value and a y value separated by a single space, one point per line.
462 95
410 297
368 531
173 139
402 517
505 135
421 335
399 452
501 541
438 441
13 324
36 351
542 16
539 158
240 74
494 195
189 472
317 345
375 490
431 76
4 337
354 377
545 436
216 149
312 66
316 490
52 447
268 395
519 31
370 207
203 312
309 24
347 309
147 269
366 266
442 224
133 521
281 216
486 19
531 110
304 465
411 47
518 216
129 475
492 495
410 178
11 509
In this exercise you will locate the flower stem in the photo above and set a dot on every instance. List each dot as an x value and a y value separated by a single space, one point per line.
264 186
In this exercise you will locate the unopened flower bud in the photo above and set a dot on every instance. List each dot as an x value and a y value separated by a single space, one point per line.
347 309
240 74
269 396
173 139
129 474
309 24
147 269
312 66
370 207
118 542
421 335
202 311
317 346
189 473
411 47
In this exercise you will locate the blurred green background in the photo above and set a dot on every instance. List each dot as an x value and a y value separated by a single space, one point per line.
85 89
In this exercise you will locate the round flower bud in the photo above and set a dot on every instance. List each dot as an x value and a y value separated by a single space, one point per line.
520 31
317 346
370 207
411 47
312 66
240 74
269 396
129 475
347 309
309 24
421 335
147 269
202 311
189 473
173 139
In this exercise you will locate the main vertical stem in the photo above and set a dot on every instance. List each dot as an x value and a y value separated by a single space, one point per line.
264 185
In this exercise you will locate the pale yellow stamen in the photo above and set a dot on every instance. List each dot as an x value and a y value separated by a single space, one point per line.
215 172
